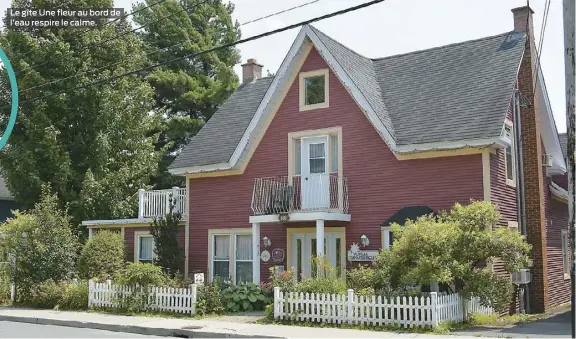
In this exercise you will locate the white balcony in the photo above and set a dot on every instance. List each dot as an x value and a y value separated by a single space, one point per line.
313 193
156 203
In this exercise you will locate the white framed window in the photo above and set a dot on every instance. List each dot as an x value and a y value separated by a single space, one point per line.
314 89
510 156
566 260
243 259
144 247
230 255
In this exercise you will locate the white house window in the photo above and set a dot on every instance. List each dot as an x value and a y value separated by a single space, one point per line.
566 253
221 257
243 258
510 156
314 89
145 248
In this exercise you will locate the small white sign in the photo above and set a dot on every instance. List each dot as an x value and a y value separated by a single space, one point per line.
356 254
199 278
265 256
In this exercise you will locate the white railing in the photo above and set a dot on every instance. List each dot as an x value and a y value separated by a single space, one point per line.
406 311
156 203
275 195
161 299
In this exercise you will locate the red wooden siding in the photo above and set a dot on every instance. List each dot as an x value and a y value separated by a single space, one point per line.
378 184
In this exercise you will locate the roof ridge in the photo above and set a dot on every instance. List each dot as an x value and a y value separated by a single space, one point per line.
339 43
443 46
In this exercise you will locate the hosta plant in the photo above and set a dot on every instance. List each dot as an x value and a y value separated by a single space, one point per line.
245 297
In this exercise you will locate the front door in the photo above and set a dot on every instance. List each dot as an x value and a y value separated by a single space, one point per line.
315 179
303 249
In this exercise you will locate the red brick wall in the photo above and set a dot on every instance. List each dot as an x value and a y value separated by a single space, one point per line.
378 184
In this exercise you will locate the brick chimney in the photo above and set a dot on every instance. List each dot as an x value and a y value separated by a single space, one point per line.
251 70
534 176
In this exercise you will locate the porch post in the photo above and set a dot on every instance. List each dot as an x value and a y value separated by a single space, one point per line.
90 233
141 203
256 253
320 244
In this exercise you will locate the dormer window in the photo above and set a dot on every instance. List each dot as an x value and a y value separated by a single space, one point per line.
314 89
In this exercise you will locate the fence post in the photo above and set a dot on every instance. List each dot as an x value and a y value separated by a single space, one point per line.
276 302
434 306
194 288
13 293
350 313
141 203
90 290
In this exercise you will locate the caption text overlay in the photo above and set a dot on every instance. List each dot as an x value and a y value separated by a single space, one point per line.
60 18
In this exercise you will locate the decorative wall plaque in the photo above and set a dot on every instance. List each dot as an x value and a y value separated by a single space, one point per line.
265 256
277 255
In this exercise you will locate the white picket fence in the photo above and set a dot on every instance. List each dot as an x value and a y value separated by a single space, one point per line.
351 309
166 299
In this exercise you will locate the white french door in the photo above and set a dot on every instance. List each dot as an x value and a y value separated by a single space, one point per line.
303 248
315 177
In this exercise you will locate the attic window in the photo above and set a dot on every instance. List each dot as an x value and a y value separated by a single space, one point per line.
509 153
314 89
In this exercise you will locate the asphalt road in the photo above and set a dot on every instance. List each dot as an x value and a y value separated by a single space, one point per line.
23 330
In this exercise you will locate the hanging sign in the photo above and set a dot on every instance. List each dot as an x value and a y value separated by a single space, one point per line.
265 256
278 255
356 254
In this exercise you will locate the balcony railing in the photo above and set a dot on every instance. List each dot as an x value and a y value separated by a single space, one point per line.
313 193
156 203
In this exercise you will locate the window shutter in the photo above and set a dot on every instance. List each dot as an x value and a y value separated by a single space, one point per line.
298 157
334 153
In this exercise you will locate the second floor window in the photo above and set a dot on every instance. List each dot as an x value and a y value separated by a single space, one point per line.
510 156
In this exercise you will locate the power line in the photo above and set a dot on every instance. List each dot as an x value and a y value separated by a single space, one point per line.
88 30
281 12
154 52
541 43
210 50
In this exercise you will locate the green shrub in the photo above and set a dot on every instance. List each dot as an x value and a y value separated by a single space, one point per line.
5 283
361 278
245 297
209 300
286 280
75 297
141 274
102 255
322 285
46 294
269 313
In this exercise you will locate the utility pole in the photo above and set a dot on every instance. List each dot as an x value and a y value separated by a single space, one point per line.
570 70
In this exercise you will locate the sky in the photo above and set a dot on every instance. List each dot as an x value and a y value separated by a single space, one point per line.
398 26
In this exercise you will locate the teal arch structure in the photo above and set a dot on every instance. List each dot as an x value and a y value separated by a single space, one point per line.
14 110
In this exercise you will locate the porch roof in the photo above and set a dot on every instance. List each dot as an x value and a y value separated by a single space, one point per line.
408 212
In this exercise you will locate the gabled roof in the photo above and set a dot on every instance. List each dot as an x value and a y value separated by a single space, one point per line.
443 98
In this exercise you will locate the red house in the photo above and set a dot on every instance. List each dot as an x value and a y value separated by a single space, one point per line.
321 158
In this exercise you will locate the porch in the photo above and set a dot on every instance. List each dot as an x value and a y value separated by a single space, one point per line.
314 197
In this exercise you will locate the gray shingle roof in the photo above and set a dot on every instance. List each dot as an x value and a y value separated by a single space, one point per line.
455 92
218 139
563 143
449 93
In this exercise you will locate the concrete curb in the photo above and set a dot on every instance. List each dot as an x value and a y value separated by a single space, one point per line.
163 332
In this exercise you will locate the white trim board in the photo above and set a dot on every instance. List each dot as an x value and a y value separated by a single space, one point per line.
301 216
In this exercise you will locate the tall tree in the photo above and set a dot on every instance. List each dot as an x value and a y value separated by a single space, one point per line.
189 91
92 145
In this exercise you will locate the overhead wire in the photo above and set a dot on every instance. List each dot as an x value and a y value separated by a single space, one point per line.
210 50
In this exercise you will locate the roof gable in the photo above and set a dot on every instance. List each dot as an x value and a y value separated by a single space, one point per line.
399 96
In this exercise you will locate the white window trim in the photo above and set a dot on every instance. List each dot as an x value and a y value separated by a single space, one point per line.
293 136
386 233
510 182
302 91
566 235
137 236
232 233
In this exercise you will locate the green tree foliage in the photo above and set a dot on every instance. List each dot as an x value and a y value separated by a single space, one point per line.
92 145
141 274
453 249
165 229
189 91
42 241
102 255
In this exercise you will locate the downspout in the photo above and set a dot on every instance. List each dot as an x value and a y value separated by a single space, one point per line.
520 195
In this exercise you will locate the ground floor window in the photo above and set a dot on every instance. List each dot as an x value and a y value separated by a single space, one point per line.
231 255
144 250
566 252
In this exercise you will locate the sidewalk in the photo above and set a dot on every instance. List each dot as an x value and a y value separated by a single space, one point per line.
204 328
